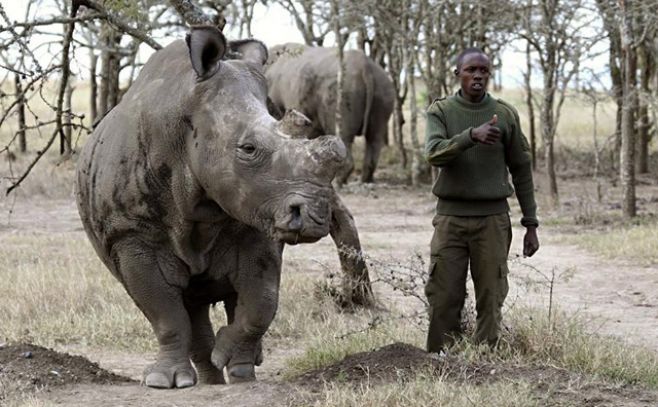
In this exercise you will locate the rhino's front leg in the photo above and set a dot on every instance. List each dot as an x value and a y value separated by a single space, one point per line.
356 281
238 345
143 272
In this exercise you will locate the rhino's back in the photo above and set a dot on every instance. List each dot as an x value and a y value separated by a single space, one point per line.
117 190
305 79
384 92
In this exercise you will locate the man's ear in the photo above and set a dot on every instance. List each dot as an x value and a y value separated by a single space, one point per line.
207 46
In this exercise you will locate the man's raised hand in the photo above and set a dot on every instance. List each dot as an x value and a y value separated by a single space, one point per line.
488 133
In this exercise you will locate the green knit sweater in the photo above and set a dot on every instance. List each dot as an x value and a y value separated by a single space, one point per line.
474 178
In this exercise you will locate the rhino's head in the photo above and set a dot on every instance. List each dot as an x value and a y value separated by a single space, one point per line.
241 157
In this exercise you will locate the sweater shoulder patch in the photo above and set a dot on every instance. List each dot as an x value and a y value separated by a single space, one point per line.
437 104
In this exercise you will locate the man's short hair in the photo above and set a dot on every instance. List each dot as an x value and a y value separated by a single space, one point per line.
467 51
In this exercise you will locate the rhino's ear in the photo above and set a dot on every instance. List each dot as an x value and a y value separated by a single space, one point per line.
207 46
250 50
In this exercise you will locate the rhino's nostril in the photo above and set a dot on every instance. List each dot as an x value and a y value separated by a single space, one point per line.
296 222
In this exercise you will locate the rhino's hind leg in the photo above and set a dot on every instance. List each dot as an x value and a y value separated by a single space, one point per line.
203 341
374 143
238 345
162 304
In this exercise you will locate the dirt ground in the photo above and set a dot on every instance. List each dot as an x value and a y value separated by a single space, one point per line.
619 297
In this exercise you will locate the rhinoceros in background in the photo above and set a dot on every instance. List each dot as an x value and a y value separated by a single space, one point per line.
188 190
304 78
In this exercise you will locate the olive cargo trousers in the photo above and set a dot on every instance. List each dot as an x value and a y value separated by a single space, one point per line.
485 242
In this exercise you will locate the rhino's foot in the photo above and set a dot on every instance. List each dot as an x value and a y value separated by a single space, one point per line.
239 358
209 374
167 375
259 354
243 372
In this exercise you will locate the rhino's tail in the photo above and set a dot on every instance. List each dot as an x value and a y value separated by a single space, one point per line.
369 81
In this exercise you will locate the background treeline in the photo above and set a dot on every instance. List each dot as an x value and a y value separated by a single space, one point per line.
59 45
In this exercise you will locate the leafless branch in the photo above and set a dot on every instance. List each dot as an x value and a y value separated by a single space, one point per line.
118 23
190 13
64 82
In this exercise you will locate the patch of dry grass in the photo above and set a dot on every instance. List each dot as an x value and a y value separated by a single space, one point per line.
636 242
428 390
59 292
567 341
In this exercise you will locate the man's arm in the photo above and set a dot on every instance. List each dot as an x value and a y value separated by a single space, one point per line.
520 166
440 149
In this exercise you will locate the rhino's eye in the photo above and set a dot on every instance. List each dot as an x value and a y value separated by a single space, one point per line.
247 148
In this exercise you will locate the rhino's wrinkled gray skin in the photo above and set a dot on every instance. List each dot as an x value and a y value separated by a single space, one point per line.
188 190
304 78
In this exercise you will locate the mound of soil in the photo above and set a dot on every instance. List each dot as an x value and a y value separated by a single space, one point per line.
32 367
389 363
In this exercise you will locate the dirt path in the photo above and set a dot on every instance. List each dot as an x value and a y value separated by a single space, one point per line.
394 223
618 297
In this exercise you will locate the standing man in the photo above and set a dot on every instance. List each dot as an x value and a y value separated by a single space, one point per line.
476 141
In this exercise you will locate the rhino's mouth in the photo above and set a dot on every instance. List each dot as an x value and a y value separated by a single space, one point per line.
302 222
293 238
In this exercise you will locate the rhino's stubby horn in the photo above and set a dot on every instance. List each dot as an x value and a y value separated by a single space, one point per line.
296 125
328 154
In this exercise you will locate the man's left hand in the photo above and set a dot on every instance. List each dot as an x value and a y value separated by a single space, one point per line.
530 241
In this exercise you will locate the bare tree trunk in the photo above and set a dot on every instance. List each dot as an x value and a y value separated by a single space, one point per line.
248 8
65 145
597 154
110 66
362 39
548 134
531 106
340 45
627 156
420 169
646 73
20 108
113 80
396 64
93 86
617 86
399 134
498 76
105 70
65 134
480 38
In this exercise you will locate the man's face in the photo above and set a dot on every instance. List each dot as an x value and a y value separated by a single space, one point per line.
474 76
